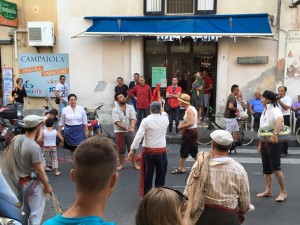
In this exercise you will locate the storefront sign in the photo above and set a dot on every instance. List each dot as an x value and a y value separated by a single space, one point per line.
8 14
159 76
253 60
7 84
40 72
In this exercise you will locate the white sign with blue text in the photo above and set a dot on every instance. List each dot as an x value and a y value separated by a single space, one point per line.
41 72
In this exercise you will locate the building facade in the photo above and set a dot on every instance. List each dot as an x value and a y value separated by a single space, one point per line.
100 51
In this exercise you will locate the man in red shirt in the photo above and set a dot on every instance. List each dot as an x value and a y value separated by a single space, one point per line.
207 90
142 94
173 92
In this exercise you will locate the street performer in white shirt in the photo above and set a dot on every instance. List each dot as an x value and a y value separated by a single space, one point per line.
154 155
271 150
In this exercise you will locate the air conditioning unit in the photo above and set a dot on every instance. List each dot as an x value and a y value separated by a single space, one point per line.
41 33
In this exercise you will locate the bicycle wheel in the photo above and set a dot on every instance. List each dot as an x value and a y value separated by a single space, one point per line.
298 135
205 128
246 133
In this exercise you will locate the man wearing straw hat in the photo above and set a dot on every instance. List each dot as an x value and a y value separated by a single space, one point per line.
188 129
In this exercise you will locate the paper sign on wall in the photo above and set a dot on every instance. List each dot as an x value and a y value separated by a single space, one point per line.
159 76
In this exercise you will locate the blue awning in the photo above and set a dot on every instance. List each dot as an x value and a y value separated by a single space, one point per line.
210 25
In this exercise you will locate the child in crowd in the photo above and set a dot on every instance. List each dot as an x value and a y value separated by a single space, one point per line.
162 206
48 137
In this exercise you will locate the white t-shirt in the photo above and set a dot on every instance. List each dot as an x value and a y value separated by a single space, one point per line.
118 115
269 116
63 91
50 138
287 100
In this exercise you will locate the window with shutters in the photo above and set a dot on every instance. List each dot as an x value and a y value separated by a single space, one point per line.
179 7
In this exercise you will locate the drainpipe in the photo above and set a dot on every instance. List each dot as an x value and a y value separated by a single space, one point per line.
16 41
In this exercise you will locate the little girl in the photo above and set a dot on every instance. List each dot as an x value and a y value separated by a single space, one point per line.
49 137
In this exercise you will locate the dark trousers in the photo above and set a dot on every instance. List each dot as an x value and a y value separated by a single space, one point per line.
256 117
141 114
287 122
174 114
216 217
133 103
159 163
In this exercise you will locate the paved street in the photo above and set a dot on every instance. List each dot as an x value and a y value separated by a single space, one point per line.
123 204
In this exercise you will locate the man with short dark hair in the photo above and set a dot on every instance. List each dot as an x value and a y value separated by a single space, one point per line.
142 93
230 114
208 87
28 158
226 185
95 176
62 92
124 120
172 94
284 103
122 88
132 84
154 157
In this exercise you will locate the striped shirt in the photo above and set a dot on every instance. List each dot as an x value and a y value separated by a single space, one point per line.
228 185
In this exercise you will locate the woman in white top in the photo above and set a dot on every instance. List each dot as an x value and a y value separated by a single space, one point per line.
74 120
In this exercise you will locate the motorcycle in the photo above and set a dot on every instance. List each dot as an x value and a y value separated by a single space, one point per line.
14 208
11 124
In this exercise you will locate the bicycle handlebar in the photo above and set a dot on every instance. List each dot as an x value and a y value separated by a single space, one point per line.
98 108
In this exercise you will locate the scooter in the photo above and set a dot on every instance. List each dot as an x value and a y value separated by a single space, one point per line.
11 124
14 208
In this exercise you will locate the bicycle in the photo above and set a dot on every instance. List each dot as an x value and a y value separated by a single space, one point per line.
246 132
94 125
298 135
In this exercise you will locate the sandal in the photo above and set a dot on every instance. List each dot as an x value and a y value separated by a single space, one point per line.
57 174
47 169
178 171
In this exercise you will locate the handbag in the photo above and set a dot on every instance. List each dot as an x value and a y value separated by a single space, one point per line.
57 100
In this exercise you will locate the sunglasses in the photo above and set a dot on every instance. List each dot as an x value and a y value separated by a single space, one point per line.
181 195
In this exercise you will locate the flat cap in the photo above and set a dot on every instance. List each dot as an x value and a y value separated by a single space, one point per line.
222 137
31 121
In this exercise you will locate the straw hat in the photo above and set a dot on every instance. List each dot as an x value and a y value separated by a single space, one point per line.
184 98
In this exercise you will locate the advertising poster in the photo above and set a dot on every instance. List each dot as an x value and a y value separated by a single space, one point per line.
8 14
40 72
7 84
159 76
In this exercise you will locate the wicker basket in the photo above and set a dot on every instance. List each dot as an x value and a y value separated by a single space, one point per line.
265 133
